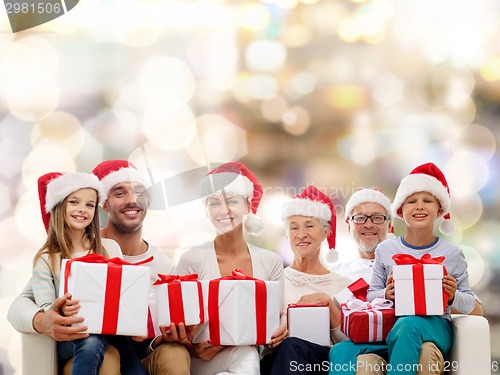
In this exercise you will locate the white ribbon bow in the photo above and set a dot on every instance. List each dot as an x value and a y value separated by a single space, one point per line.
358 305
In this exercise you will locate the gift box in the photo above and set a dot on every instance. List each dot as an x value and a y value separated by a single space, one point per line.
179 299
113 293
356 290
418 285
309 322
240 310
367 322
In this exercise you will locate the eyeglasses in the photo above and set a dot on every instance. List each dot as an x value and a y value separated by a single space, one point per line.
376 219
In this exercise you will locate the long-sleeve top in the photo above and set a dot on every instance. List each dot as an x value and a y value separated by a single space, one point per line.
454 262
45 281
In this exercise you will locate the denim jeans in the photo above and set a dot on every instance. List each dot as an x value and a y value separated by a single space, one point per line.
87 354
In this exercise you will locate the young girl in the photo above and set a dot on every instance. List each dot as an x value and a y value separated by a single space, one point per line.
68 204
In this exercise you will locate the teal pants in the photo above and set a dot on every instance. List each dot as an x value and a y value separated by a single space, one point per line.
402 346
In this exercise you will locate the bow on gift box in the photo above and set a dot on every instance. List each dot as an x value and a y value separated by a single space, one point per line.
375 317
175 303
418 278
113 286
260 306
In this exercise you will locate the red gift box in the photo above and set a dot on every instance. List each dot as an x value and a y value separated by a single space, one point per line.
367 322
356 290
418 285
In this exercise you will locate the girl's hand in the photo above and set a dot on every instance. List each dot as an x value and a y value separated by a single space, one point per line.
389 289
450 287
70 306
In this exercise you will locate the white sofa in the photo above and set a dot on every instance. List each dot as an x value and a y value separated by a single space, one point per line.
470 354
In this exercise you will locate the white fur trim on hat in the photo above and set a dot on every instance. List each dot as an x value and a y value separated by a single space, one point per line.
368 196
305 207
122 175
234 183
420 182
59 188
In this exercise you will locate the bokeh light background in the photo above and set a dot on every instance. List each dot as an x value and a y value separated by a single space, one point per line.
335 93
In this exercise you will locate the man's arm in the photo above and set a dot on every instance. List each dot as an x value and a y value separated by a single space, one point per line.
26 317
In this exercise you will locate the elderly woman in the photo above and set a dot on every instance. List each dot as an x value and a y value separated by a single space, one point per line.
309 219
232 196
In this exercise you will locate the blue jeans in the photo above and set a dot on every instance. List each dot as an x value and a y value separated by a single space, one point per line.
296 356
403 345
87 354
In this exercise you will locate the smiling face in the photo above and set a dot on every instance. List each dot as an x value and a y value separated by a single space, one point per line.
127 206
226 211
420 210
305 235
80 208
368 235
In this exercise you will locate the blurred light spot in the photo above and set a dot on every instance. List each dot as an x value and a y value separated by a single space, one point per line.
301 84
217 140
286 4
43 159
273 109
452 85
265 55
28 216
296 120
117 128
478 139
5 201
468 209
363 148
214 55
258 87
169 125
27 62
467 173
270 209
490 69
61 128
132 23
347 97
252 16
31 102
388 90
166 79
475 264
14 144
16 232
296 35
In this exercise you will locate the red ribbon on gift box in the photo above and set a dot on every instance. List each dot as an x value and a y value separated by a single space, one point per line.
175 303
113 286
418 278
260 306
359 289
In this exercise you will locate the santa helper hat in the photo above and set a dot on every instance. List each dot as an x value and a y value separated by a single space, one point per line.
426 177
369 195
236 178
112 172
54 187
313 203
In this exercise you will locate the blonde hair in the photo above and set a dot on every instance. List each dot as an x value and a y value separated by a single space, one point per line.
58 241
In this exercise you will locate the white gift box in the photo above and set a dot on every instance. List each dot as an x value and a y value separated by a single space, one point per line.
182 305
355 290
113 298
311 323
419 289
235 315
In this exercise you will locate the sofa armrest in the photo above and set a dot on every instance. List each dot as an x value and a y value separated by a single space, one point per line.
39 354
471 350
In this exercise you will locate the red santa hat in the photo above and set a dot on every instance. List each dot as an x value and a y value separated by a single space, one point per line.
112 172
313 203
54 187
426 177
236 178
